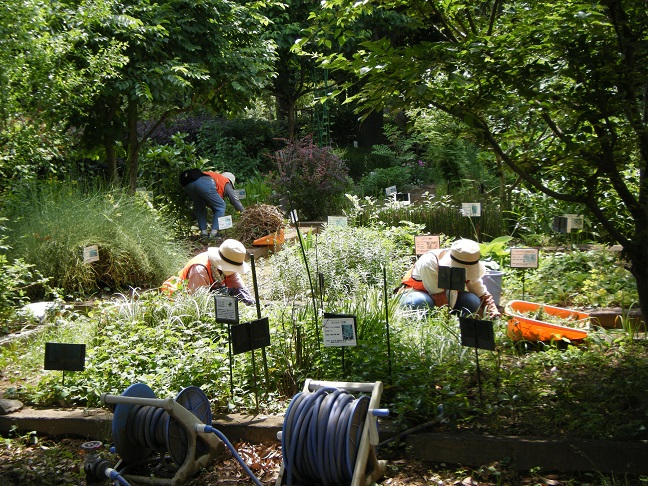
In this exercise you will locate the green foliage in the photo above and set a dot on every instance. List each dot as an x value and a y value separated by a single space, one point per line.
543 108
435 215
313 178
172 344
16 280
375 182
51 226
240 145
161 166
362 161
349 259
42 83
577 278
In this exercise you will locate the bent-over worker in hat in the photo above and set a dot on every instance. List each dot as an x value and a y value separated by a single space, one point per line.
420 288
216 268
211 189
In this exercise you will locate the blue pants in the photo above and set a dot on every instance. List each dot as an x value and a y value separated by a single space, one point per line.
203 193
467 302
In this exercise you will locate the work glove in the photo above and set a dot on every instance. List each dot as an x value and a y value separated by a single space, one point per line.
440 299
488 304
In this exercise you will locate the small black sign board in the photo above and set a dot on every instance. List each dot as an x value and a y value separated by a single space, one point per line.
250 335
560 224
452 278
65 357
477 334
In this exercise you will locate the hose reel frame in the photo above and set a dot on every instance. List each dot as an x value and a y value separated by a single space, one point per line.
366 469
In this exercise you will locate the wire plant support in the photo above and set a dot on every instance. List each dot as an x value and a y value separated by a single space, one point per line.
329 436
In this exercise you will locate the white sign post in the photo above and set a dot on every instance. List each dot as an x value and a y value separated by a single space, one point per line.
91 254
225 222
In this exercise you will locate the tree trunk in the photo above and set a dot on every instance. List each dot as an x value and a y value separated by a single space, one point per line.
109 141
286 111
132 162
638 256
371 130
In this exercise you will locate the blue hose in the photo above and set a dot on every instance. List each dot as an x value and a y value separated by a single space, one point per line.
234 452
116 477
318 441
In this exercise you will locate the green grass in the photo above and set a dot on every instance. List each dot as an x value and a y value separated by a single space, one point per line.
53 224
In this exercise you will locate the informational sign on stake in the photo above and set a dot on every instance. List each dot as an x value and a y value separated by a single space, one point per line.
64 356
477 334
574 221
226 309
91 254
524 258
337 221
339 330
403 197
390 191
225 222
559 224
472 210
240 193
425 243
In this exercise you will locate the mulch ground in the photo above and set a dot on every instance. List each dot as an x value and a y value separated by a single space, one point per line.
30 460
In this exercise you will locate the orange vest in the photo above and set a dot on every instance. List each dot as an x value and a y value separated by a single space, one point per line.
221 181
174 282
410 281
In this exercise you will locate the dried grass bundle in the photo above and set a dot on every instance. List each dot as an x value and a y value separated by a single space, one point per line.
257 221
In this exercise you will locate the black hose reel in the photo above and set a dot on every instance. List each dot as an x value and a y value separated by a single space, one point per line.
143 424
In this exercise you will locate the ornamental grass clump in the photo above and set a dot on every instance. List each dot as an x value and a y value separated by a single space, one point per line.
56 222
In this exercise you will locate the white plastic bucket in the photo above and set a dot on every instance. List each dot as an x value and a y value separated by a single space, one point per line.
493 282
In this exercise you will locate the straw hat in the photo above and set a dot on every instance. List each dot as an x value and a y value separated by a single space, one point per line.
465 253
230 176
229 257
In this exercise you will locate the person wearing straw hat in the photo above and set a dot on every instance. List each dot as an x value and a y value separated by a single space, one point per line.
420 287
210 189
218 268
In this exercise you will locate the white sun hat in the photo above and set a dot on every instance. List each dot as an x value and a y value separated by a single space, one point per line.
230 176
229 257
465 253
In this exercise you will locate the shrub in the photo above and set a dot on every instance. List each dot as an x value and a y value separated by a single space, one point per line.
349 259
314 178
240 145
375 183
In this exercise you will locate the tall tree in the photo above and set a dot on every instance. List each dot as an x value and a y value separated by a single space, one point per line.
181 54
43 81
559 91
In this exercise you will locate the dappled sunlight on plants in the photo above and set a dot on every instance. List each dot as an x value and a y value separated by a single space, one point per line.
594 390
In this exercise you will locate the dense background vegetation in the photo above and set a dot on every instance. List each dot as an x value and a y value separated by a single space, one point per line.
533 113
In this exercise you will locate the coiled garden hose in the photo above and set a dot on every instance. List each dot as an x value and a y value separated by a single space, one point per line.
321 434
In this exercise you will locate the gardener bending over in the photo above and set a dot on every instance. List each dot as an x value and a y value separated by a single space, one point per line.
420 288
216 269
